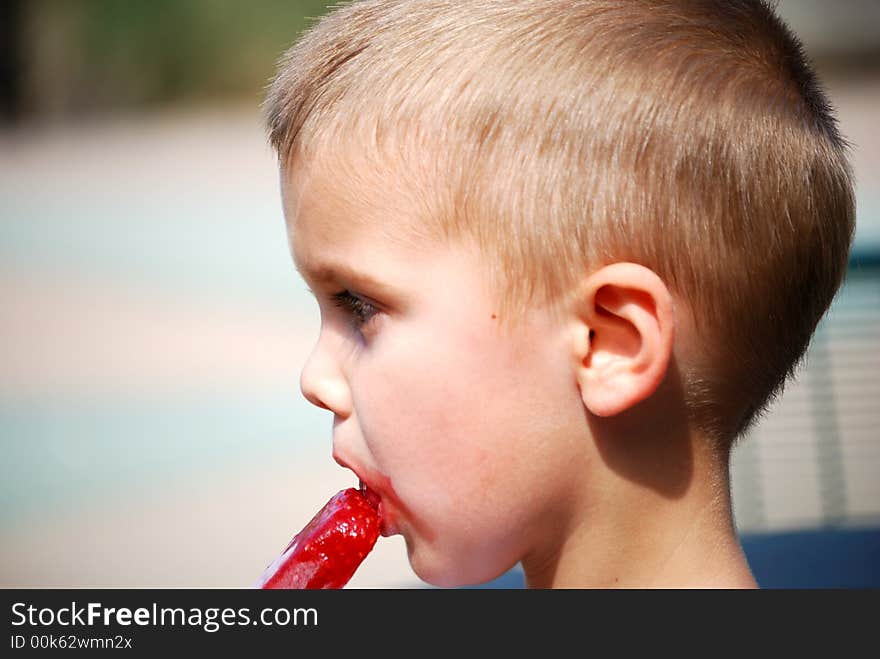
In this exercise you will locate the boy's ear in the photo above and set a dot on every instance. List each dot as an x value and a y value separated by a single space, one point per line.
623 339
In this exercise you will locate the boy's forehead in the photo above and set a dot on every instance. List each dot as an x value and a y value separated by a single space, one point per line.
334 201
348 223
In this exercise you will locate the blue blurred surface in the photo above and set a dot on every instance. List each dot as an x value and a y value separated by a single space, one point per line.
838 558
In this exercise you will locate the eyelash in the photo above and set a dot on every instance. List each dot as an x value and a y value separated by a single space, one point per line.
360 311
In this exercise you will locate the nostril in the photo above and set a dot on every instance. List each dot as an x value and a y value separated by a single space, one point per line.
314 400
308 390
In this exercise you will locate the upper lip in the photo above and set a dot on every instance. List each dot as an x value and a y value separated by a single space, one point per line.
370 492
343 462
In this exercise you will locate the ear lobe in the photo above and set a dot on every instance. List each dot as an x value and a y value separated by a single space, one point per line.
624 336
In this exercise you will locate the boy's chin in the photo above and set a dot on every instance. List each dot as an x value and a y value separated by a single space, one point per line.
442 571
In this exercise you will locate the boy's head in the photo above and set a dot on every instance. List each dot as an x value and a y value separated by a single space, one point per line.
668 173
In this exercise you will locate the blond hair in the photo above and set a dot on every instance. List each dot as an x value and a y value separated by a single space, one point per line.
689 136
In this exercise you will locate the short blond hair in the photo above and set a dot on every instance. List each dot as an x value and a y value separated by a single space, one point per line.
690 136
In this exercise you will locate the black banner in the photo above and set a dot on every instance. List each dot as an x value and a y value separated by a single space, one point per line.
151 621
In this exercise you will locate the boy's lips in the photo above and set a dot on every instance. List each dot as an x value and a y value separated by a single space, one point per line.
373 492
372 498
375 500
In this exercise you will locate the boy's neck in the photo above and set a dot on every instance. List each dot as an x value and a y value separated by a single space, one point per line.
674 531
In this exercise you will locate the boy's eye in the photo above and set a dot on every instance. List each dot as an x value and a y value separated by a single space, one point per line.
360 311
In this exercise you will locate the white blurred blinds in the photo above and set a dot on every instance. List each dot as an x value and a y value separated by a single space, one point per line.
814 459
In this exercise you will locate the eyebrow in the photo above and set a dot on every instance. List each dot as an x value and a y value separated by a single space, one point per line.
326 272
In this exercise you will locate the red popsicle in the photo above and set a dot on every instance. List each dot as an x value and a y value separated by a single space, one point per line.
326 553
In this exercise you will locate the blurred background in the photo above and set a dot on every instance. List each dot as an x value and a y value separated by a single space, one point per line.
152 327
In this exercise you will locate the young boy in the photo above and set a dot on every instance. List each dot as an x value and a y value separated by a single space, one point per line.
565 252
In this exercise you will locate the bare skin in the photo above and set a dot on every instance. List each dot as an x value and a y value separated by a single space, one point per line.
562 446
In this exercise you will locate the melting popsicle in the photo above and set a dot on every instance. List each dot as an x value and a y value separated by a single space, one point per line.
326 553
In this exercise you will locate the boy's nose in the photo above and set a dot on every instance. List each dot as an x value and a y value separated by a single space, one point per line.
323 385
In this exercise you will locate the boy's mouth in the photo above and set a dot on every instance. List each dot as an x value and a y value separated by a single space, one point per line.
375 500
370 494
375 495
371 497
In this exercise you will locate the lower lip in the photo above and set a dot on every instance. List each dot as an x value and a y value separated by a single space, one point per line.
387 525
386 498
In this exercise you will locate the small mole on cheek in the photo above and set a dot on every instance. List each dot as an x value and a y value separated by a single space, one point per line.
493 316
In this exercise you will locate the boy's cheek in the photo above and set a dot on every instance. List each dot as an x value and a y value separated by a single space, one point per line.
425 419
